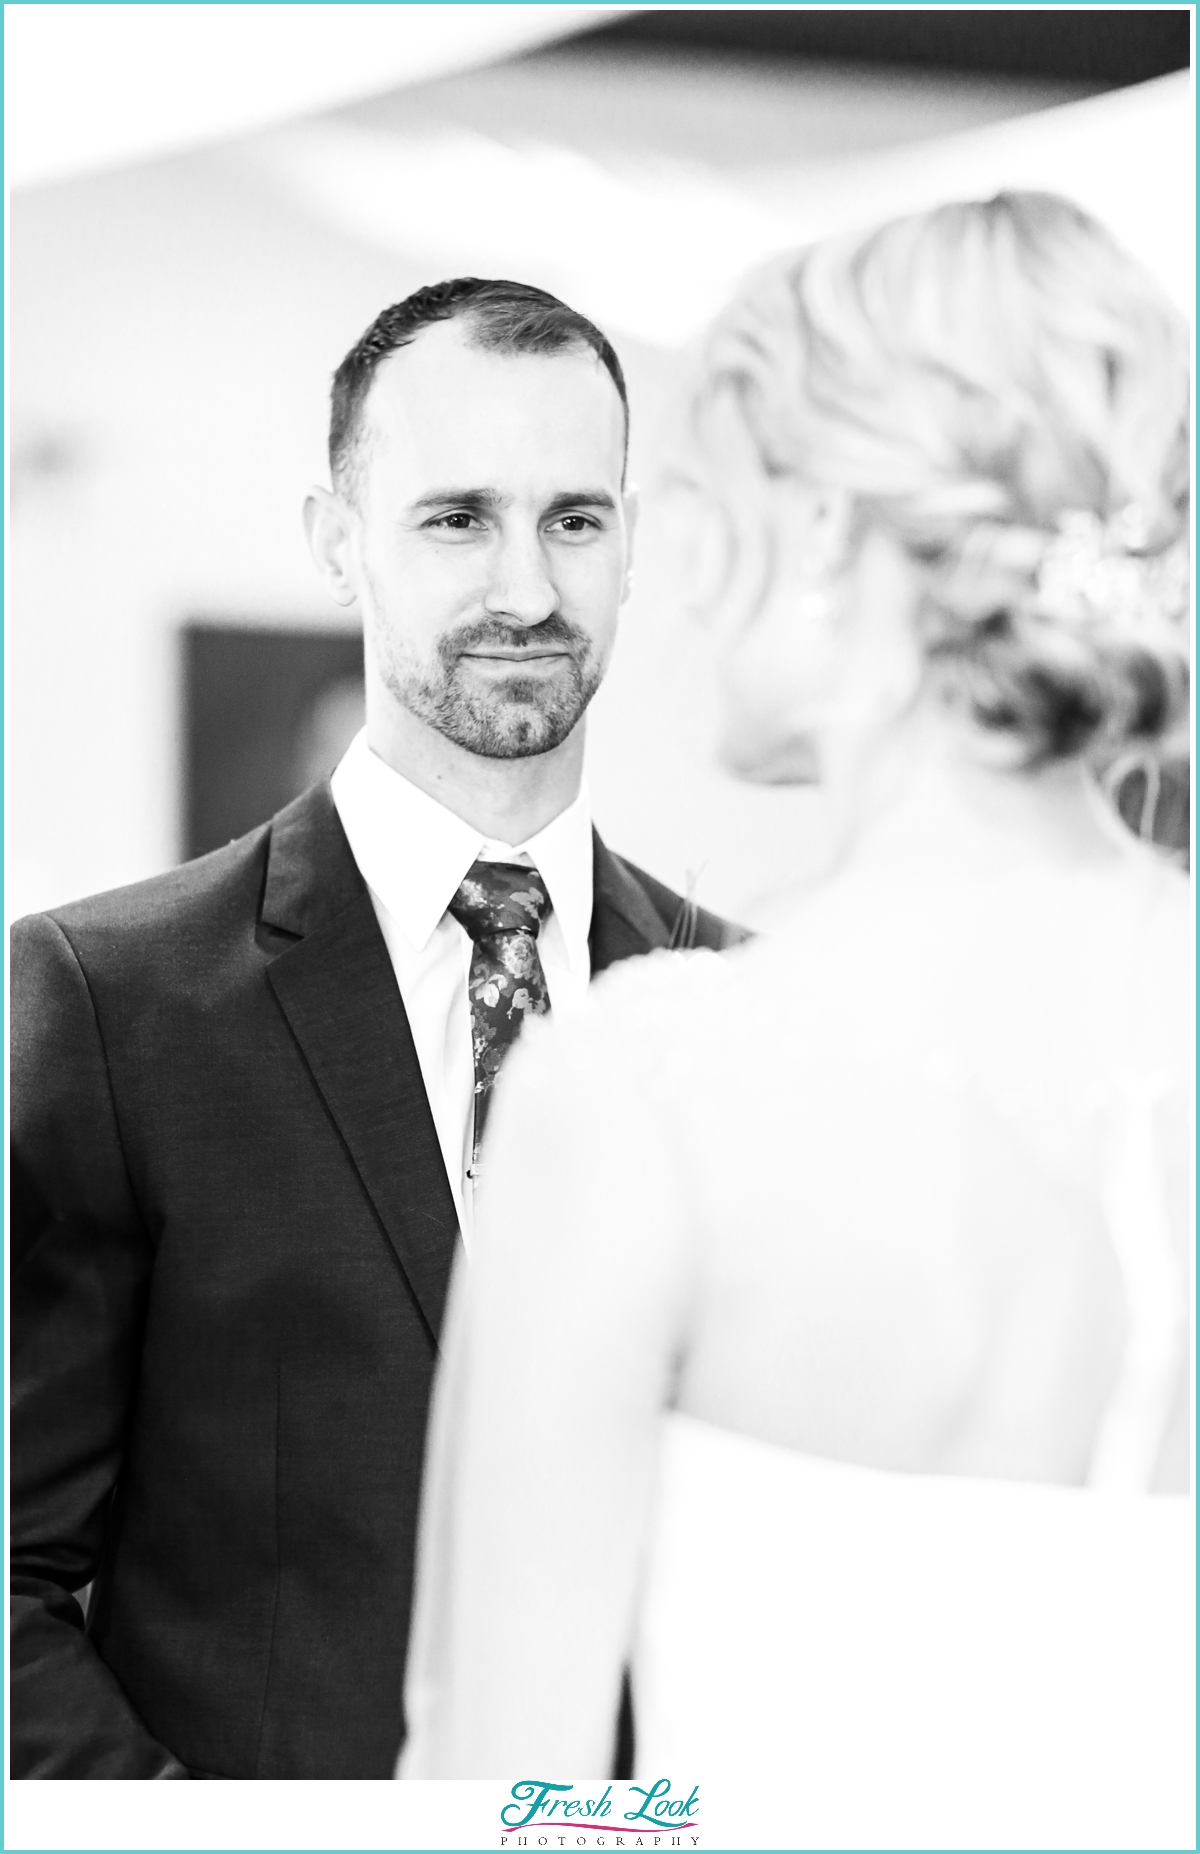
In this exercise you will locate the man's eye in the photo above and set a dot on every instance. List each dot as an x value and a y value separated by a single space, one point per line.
575 524
459 520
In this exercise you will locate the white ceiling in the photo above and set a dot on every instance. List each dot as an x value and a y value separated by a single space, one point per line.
650 242
640 187
96 84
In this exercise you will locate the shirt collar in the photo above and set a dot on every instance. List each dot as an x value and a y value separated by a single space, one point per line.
413 852
561 852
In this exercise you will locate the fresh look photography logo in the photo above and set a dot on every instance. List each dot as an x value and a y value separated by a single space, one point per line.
622 1815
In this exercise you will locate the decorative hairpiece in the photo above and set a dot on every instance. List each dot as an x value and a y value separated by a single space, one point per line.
1094 570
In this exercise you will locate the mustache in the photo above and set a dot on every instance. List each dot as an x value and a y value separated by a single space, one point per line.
484 631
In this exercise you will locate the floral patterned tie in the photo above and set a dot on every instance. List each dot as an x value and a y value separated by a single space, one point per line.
502 906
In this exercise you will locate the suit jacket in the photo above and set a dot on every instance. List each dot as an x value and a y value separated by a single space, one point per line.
232 1239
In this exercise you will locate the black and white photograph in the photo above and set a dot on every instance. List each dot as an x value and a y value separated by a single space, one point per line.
600 988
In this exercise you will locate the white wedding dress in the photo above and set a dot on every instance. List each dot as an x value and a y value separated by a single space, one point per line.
833 1373
919 1662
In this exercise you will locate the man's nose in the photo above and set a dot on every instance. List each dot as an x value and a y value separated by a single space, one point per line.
519 585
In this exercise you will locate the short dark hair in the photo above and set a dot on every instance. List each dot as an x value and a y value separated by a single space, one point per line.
505 318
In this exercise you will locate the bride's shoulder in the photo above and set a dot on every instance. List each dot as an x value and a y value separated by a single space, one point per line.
638 1000
1159 962
659 981
1167 909
639 1020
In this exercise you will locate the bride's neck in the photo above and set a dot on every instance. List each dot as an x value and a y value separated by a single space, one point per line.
923 802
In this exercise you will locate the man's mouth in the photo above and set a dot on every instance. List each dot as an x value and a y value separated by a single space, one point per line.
499 653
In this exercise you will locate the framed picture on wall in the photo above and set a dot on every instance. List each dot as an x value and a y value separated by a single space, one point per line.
266 712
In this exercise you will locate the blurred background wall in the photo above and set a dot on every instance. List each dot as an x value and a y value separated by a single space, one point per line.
209 205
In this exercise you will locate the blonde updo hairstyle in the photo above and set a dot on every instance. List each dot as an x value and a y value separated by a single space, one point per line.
969 377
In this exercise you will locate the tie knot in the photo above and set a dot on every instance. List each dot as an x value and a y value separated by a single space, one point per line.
500 898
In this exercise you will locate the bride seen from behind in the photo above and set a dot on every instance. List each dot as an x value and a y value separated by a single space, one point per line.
826 1329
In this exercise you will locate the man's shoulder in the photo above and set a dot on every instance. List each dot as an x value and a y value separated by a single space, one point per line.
197 902
687 924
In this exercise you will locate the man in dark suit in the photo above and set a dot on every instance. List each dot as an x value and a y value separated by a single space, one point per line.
248 1095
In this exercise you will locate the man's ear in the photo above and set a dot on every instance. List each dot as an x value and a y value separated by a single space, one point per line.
631 504
327 525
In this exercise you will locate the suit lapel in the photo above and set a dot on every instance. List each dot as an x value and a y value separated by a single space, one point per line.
624 923
336 987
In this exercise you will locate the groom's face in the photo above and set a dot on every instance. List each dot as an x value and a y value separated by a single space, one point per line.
491 538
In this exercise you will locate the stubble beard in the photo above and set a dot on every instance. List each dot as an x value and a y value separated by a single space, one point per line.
520 717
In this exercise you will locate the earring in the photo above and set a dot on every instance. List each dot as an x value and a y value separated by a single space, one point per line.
813 606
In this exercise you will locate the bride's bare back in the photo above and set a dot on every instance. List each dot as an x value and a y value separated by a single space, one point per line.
906 1127
857 1190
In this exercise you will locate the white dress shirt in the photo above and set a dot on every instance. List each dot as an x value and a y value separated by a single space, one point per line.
412 854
